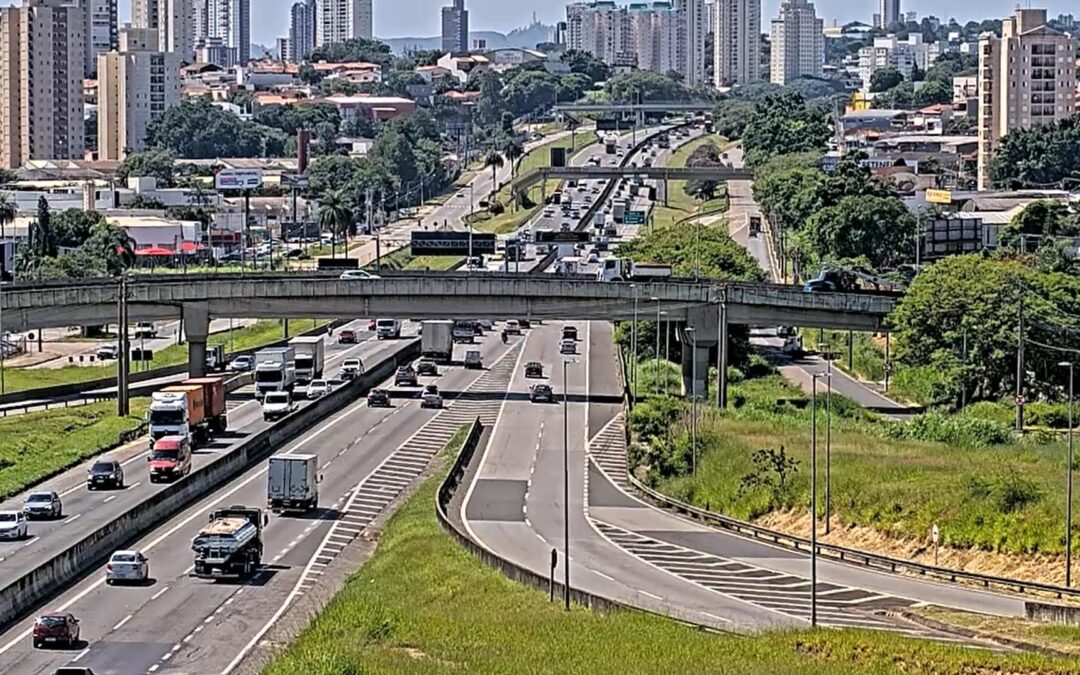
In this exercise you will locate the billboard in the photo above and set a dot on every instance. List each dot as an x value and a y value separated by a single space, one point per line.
634 218
939 196
948 236
552 237
451 243
558 156
339 264
238 179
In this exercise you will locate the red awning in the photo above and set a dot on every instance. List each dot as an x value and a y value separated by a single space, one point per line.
155 250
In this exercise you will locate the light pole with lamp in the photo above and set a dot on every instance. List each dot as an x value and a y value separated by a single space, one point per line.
693 398
566 484
823 348
1069 481
471 214
656 375
813 502
667 355
633 350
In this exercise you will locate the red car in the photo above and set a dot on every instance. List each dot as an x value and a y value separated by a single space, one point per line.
61 628
346 337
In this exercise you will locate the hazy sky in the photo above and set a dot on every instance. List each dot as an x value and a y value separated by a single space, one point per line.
420 18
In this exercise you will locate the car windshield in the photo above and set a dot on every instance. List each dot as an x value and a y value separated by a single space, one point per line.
103 467
242 361
277 398
40 497
268 376
52 621
7 518
124 558
166 416
351 363
318 384
165 454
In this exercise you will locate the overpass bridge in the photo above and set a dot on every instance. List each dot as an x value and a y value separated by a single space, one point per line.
706 306
653 106
719 174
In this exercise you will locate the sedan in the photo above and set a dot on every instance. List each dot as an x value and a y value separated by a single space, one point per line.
317 389
534 369
431 398
358 275
129 566
347 337
105 352
241 364
105 473
541 392
13 525
568 347
378 398
43 504
426 366
56 628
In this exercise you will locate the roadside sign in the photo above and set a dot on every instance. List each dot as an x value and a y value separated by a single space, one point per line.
938 196
634 218
935 534
1018 400
295 181
552 237
238 179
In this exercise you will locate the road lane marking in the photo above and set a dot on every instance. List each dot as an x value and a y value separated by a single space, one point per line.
73 518
81 654
123 621
31 541
654 597
108 499
160 593
133 486
601 574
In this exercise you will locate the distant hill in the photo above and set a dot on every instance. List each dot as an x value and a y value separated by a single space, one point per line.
527 37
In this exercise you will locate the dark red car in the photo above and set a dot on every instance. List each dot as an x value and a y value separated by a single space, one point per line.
61 628
346 337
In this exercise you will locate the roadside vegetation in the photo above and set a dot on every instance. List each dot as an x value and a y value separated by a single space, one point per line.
403 259
1044 635
688 198
422 604
38 445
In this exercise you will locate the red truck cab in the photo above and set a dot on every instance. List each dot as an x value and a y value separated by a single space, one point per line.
170 459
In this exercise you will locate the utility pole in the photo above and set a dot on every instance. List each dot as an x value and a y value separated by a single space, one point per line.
566 487
1020 366
123 408
1069 480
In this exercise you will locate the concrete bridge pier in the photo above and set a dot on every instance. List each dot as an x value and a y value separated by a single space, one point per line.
699 337
197 328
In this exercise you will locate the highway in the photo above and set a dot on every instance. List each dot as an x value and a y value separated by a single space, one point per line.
189 625
84 510
624 549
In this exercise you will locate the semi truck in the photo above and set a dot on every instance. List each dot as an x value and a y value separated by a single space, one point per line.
622 269
230 545
194 408
310 357
215 358
611 144
618 210
292 483
275 370
437 340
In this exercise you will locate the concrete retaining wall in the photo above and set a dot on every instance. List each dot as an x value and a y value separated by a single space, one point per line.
22 595
1046 613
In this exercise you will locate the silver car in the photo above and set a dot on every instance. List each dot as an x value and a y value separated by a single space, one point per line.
127 566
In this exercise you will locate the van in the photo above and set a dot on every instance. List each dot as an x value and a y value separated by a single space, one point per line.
170 458
387 329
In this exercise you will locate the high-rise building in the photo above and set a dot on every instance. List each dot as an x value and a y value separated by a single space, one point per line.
693 26
302 30
230 22
176 28
737 41
455 27
101 31
1027 78
575 14
341 20
136 83
42 59
798 42
888 14
900 55
144 13
653 36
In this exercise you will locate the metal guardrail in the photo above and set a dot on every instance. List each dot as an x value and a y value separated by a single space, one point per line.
850 555
42 406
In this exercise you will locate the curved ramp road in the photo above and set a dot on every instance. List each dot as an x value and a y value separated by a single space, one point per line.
183 624
627 550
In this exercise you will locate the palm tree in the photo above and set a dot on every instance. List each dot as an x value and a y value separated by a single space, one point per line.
494 160
8 211
513 150
335 216
117 247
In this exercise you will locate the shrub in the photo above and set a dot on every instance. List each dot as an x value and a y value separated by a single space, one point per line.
951 430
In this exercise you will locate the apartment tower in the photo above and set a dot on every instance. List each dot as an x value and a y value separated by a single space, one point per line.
888 14
798 43
302 30
455 27
136 84
1027 77
228 23
340 20
43 60
101 31
737 41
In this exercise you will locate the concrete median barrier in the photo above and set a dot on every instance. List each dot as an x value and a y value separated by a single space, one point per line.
22 595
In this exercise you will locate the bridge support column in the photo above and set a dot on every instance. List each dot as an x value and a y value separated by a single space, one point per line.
722 360
197 327
698 339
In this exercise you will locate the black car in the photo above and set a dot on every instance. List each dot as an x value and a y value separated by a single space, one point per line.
105 473
534 369
569 332
541 392
427 367
405 376
525 323
378 398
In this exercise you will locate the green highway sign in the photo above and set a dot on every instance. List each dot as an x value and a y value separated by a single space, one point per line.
634 218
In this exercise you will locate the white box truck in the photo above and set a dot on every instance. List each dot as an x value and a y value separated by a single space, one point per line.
310 357
292 483
437 340
275 370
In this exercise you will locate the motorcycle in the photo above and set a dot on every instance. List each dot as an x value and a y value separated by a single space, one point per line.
504 337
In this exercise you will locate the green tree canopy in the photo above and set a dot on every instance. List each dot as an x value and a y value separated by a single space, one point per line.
157 163
878 229
358 49
644 86
885 79
784 124
1040 222
586 64
1044 156
197 129
731 116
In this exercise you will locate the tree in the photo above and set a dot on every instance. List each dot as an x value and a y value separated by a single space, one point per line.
917 73
878 229
1047 155
335 217
155 163
885 79
8 212
292 118
783 124
933 92
644 86
1040 223
494 160
730 117
530 91
354 49
197 129
586 64
513 150
490 104
44 237
113 245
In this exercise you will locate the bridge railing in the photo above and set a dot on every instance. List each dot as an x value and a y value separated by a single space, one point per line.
777 295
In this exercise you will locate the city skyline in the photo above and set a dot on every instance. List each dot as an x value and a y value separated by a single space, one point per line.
421 18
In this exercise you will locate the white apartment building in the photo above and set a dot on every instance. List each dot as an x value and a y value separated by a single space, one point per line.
737 42
798 43
101 31
42 59
901 55
136 84
1027 77
341 20
694 24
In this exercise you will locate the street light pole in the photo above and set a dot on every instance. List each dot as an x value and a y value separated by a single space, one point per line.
633 350
828 440
1069 481
813 503
566 488
667 355
693 399
656 375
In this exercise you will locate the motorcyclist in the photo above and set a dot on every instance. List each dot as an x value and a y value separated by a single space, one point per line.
504 336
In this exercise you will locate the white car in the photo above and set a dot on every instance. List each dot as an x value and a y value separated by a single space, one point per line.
107 352
568 347
358 275
13 525
317 389
277 404
130 566
431 398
